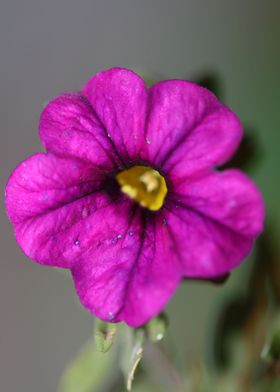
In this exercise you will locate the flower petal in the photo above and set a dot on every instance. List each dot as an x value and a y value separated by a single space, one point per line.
49 199
69 127
188 129
213 221
119 98
130 274
206 248
229 197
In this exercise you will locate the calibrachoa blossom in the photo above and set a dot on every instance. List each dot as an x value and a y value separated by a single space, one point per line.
127 195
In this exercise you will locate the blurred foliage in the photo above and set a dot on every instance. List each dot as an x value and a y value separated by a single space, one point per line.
89 371
212 82
271 351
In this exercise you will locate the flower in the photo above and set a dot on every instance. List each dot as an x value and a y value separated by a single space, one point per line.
127 196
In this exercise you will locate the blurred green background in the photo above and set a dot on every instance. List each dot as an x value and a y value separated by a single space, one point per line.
51 46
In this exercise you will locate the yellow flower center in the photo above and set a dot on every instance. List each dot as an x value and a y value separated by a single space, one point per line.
144 185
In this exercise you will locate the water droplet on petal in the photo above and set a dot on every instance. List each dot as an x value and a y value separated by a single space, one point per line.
109 136
131 233
111 316
148 141
164 222
116 238
76 242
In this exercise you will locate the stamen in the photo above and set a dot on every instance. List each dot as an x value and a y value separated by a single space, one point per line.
144 185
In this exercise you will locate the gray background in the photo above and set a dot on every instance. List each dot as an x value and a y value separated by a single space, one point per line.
51 46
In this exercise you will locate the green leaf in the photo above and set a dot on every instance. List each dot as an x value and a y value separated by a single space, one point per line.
157 327
104 335
88 371
132 352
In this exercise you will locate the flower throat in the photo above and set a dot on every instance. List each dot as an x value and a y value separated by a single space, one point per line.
144 185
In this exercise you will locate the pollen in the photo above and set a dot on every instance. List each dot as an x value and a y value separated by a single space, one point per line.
144 185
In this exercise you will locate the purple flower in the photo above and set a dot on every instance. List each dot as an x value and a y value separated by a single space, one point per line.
127 196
